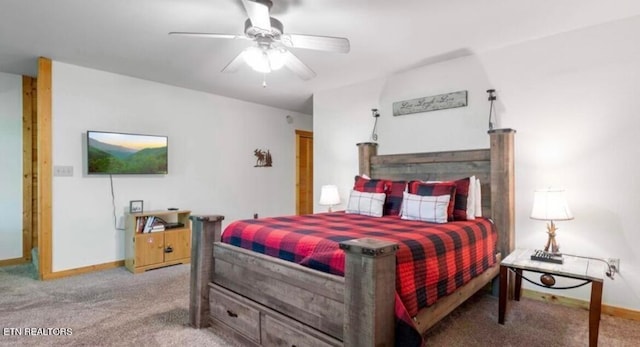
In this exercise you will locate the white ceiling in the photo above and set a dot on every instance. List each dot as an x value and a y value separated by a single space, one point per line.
129 37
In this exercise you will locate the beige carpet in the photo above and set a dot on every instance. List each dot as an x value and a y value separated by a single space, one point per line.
117 308
106 308
528 323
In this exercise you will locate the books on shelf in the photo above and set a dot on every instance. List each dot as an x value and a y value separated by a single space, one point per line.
157 227
149 224
139 224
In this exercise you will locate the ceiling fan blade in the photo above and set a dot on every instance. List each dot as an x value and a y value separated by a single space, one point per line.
297 66
208 35
235 64
319 43
258 14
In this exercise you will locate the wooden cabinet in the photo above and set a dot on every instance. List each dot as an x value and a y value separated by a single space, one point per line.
151 250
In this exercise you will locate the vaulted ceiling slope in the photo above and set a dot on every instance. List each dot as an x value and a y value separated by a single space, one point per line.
131 38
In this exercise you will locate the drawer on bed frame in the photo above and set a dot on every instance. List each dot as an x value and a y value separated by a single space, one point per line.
284 332
235 312
260 324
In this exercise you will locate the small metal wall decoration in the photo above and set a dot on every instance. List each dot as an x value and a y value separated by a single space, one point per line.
263 158
430 103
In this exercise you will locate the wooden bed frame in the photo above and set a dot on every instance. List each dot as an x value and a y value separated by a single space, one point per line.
265 301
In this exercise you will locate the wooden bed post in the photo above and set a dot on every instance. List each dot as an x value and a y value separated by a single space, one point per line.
370 286
365 151
503 187
205 231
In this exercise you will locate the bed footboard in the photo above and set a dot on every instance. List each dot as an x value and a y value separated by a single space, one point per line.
366 304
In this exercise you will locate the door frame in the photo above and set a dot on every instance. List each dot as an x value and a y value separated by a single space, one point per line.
300 134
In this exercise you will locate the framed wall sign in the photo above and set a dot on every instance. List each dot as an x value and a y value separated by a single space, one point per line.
430 103
136 206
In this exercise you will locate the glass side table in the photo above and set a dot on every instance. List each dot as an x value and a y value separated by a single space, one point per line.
581 269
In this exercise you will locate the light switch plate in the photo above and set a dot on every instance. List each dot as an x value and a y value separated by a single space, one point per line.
63 170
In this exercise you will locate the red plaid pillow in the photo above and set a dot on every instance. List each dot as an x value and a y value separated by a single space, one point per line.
462 203
393 204
435 189
370 186
393 189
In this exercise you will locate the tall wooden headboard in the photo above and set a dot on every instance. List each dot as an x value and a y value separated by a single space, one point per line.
494 167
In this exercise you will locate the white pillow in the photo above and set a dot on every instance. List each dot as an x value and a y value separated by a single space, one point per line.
368 204
471 196
478 199
425 208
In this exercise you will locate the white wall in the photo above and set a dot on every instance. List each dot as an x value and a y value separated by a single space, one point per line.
11 164
572 98
211 161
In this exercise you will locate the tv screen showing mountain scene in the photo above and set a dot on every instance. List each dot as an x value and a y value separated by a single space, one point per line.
120 153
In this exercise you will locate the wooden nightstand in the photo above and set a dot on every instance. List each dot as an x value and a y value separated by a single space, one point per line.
586 270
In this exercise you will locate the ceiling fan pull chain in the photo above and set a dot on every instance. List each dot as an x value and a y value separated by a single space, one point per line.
264 80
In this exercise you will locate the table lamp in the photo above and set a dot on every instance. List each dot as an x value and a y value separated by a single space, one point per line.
550 205
329 196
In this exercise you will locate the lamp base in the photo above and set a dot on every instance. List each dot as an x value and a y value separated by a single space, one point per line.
551 241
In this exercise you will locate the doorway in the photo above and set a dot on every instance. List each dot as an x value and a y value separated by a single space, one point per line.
304 172
28 177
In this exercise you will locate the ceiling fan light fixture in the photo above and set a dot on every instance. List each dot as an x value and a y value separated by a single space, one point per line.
257 59
264 60
276 58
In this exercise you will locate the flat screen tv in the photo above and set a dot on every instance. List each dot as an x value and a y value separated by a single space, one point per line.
119 153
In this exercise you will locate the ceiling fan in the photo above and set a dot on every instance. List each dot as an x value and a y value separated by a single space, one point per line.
270 51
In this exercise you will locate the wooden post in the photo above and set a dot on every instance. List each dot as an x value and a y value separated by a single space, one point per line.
369 294
365 151
503 187
503 198
44 167
205 231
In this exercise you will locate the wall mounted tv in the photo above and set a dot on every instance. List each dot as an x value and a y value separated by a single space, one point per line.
126 154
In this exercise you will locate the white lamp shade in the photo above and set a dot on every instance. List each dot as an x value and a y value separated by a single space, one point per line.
329 195
550 204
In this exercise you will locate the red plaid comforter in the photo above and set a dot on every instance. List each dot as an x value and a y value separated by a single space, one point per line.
432 261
